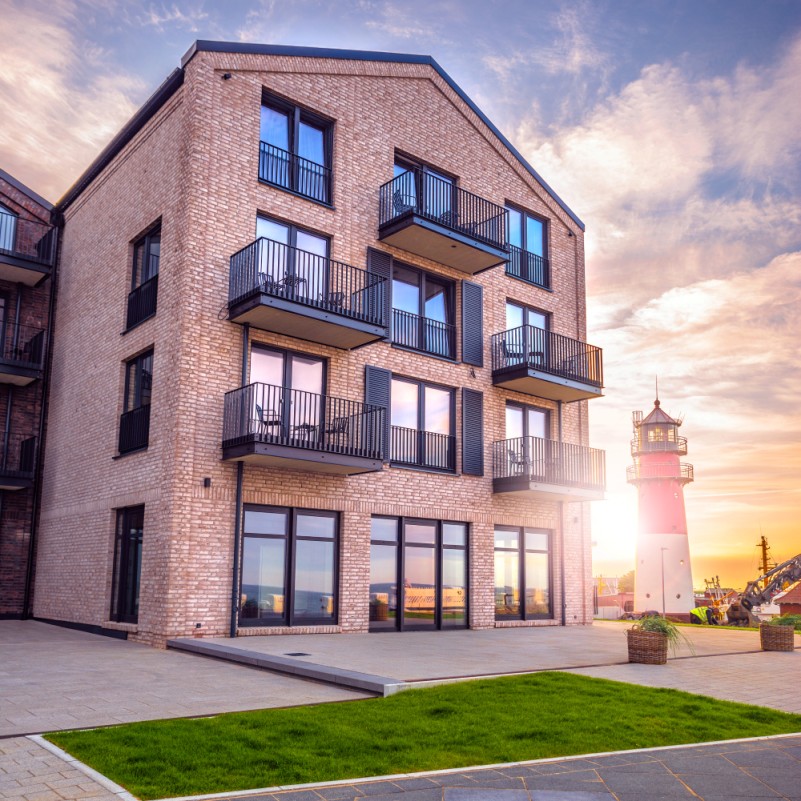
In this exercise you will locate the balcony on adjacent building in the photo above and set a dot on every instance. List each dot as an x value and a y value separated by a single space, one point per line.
27 249
22 349
538 362
430 216
548 470
290 291
289 428
423 449
17 462
529 267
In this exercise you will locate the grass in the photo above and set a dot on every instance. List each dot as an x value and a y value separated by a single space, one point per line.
455 725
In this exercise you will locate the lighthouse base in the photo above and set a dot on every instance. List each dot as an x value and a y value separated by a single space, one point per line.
663 578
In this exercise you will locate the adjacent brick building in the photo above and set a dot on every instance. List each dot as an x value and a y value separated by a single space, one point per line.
320 363
27 251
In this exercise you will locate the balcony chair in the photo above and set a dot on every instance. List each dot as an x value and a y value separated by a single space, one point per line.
519 463
334 300
265 421
339 427
513 353
402 203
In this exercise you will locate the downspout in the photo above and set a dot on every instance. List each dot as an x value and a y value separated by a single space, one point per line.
240 478
40 444
7 426
561 524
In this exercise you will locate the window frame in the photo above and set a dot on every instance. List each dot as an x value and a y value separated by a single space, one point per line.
521 552
525 407
122 542
291 538
297 114
10 233
513 207
145 242
137 363
400 544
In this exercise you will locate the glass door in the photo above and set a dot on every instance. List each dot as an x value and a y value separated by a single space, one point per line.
420 574
526 337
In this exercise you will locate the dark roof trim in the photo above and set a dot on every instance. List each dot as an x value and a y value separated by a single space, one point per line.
10 179
129 130
367 55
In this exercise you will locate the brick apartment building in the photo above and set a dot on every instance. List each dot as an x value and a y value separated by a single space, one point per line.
27 251
319 363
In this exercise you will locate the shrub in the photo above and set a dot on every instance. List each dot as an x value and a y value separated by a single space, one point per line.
787 620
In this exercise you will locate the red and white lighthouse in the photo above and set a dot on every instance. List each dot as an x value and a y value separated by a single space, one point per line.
663 578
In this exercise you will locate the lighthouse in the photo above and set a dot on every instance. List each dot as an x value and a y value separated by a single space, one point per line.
663 578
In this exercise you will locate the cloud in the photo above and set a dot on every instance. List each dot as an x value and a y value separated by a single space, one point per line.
164 16
61 104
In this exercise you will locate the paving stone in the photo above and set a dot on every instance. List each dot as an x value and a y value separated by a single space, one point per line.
379 788
431 794
710 765
483 794
647 784
415 784
783 781
571 795
339 792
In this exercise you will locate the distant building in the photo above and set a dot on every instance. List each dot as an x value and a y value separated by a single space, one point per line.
789 603
663 577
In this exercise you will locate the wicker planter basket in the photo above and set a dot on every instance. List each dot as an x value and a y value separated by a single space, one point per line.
776 638
647 647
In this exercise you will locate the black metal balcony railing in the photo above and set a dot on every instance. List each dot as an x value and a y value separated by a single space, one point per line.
550 462
528 267
678 471
427 449
297 275
424 334
134 429
23 345
677 445
290 171
27 239
535 348
425 195
18 457
142 302
299 419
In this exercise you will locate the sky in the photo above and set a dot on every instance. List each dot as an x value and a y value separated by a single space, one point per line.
671 127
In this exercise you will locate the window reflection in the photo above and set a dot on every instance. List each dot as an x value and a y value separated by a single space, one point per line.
522 573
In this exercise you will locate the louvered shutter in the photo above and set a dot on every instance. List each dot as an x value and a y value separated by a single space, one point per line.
472 432
472 323
377 384
378 297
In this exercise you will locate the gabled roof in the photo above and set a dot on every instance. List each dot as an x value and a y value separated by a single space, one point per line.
658 416
175 79
10 179
792 596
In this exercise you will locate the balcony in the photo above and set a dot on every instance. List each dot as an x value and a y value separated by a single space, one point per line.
543 469
289 291
27 249
134 429
677 446
142 302
22 350
294 173
423 334
424 449
289 428
431 217
529 267
537 362
664 471
18 463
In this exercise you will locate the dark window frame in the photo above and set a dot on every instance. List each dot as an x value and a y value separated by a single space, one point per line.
421 385
531 406
144 244
123 595
297 114
527 307
134 428
135 368
291 538
521 552
523 228
400 544
519 267
145 267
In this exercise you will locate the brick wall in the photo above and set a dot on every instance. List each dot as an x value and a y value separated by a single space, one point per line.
195 166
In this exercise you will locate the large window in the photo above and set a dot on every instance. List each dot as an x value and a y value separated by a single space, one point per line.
135 419
293 262
422 312
528 449
295 150
527 238
289 567
425 190
8 228
522 573
127 564
418 574
422 425
526 337
144 277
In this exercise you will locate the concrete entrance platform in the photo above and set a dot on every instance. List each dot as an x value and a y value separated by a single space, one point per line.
385 663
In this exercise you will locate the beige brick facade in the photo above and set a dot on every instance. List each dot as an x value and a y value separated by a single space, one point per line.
194 166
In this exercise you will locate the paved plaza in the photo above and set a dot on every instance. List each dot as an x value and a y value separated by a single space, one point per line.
58 678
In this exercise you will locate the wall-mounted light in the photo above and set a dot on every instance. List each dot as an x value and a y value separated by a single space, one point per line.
206 482
226 76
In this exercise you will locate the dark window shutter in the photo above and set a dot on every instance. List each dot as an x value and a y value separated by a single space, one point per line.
379 263
472 432
472 323
377 384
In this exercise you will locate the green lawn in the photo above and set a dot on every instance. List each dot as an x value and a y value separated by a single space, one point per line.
454 725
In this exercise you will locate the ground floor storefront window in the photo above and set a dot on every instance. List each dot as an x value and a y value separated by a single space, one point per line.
522 573
418 574
289 573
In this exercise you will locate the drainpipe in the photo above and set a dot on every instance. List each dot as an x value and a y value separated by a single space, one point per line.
15 343
562 561
7 427
240 477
